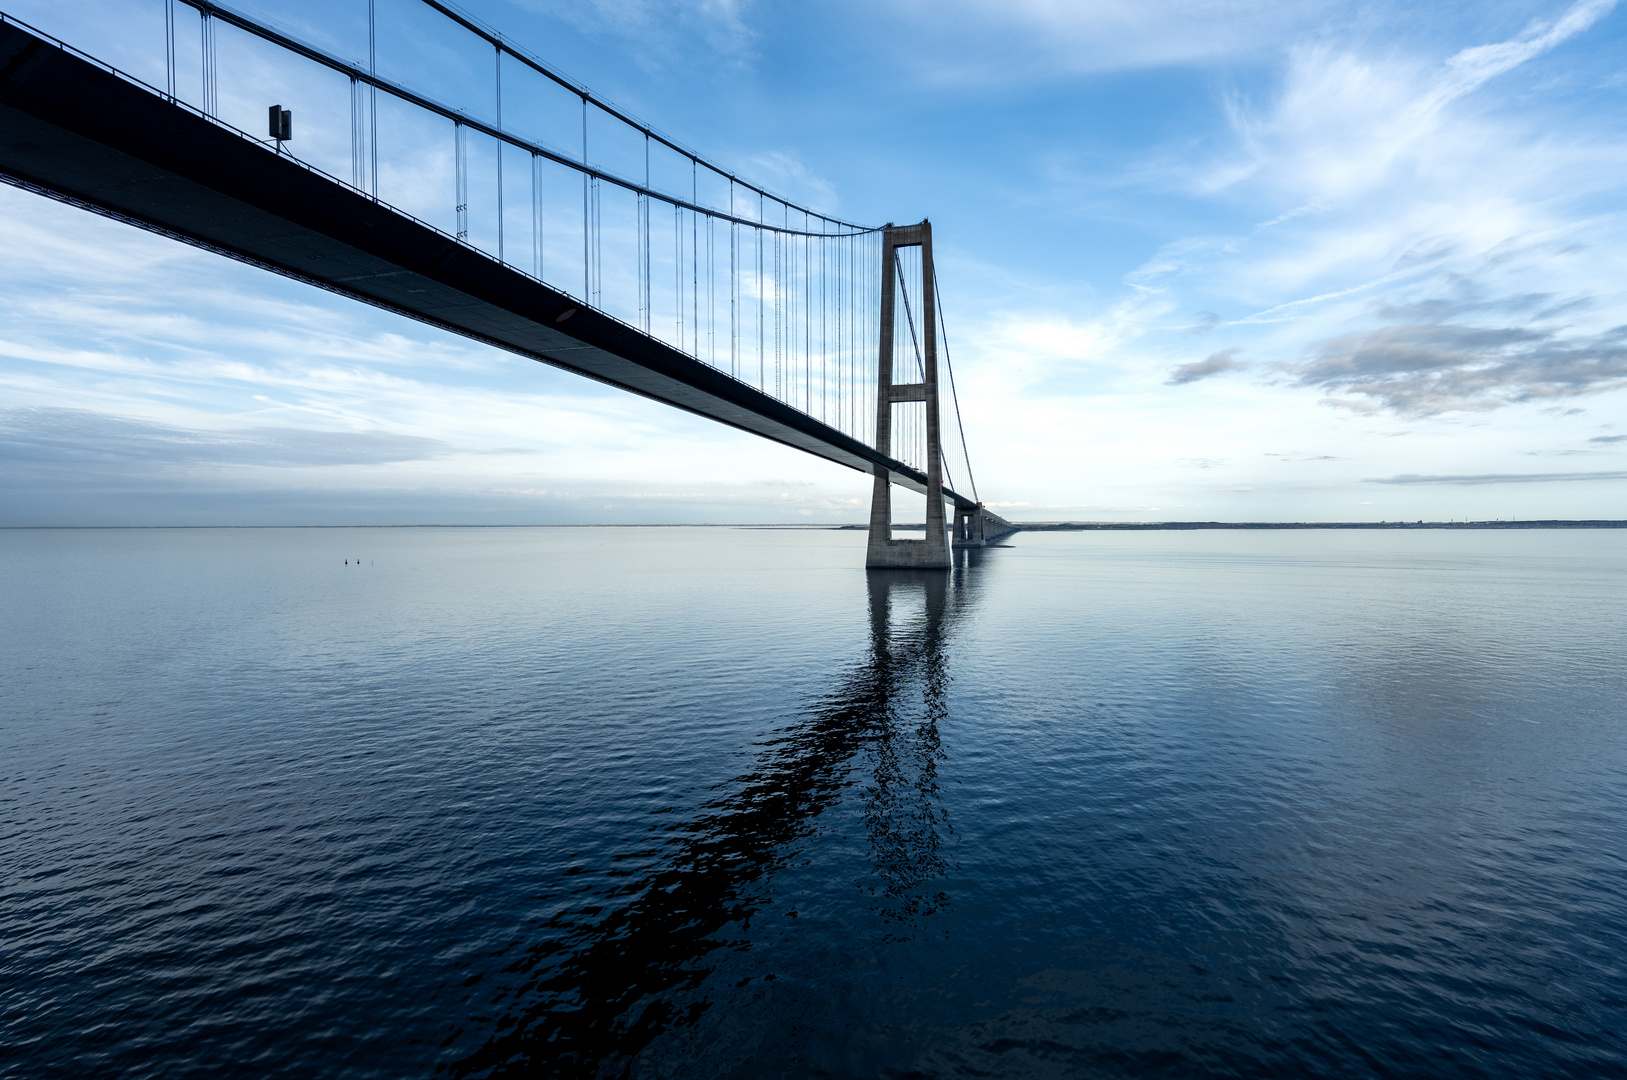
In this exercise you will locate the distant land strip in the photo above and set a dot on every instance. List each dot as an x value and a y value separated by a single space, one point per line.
1022 526
1539 523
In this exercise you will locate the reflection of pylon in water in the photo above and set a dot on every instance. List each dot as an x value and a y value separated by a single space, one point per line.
599 984
903 810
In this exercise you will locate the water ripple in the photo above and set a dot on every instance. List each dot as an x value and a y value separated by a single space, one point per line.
698 802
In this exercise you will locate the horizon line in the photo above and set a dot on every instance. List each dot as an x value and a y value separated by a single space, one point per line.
1033 526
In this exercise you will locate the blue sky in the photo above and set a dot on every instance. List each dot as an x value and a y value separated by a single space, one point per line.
1304 261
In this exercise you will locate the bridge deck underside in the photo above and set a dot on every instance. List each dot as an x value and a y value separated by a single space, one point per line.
72 130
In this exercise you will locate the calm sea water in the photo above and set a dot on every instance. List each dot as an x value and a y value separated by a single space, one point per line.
709 802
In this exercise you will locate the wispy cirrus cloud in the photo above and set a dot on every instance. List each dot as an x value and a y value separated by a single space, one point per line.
1396 201
1345 122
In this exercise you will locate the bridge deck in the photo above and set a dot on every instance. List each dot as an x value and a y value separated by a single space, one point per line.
74 130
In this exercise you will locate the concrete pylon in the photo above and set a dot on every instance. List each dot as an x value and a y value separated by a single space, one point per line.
977 526
932 552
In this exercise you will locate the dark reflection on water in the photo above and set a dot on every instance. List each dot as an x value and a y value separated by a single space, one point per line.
610 975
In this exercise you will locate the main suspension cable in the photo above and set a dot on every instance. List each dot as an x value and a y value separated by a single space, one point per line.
921 366
943 335
920 363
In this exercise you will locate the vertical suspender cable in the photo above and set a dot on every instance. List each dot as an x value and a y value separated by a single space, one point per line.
810 319
355 133
677 294
587 291
536 213
208 48
920 362
643 226
843 410
711 296
169 46
734 289
372 99
500 155
694 260
780 378
762 350
461 180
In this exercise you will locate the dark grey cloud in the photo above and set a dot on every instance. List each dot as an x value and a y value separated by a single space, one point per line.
1214 364
1608 438
1424 368
1498 478
97 444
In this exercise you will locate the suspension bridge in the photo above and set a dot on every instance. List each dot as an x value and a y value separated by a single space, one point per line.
423 164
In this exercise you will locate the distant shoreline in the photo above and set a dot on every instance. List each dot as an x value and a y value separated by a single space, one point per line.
1150 526
1022 526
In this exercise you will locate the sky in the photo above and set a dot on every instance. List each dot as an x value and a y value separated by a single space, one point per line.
1303 261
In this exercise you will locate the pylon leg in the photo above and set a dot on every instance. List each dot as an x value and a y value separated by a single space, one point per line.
885 553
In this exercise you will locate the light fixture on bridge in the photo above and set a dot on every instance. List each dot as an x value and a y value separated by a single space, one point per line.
282 123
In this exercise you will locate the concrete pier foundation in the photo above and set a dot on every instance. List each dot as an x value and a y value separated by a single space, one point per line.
977 527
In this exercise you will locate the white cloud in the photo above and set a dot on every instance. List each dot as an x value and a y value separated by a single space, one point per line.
1387 200
661 26
1378 186
978 41
1345 123
155 345
1430 248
